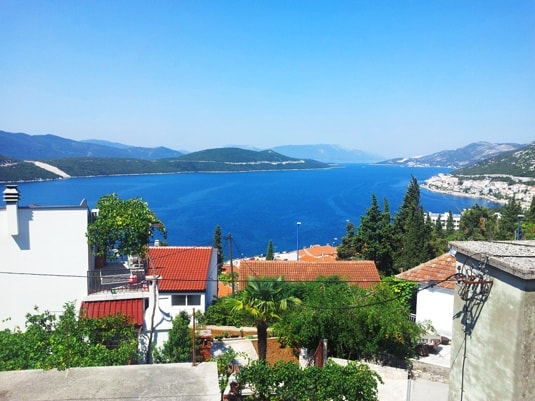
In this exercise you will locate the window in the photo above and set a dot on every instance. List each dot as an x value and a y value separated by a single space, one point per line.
179 300
194 299
186 300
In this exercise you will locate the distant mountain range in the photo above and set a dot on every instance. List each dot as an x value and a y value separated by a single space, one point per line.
518 163
46 168
458 158
99 157
41 147
327 153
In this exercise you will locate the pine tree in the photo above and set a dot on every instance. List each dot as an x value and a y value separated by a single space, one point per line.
269 252
217 244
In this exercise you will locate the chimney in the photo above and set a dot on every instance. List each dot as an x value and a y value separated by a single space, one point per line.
11 198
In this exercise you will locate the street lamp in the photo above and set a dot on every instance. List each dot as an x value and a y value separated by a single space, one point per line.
298 224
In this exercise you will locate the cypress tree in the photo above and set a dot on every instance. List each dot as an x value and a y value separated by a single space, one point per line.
508 222
218 244
477 224
373 237
412 236
439 231
269 252
530 213
385 254
348 249
450 227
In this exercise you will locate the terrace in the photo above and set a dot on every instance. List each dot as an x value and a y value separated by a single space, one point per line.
119 276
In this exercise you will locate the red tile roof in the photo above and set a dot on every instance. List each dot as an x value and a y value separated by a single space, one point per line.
436 270
129 307
318 253
180 268
362 273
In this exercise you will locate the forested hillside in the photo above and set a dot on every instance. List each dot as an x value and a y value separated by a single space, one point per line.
519 163
224 159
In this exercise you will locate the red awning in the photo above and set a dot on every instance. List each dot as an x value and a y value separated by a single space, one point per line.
129 307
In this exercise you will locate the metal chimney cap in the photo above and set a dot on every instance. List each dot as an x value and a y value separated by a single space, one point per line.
11 193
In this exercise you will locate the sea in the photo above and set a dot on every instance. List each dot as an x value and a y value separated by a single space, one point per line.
293 209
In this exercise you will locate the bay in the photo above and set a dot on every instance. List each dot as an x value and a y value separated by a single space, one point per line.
256 207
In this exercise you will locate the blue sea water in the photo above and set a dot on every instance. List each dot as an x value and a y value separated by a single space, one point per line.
255 207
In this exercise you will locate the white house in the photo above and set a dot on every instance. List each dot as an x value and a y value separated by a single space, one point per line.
434 301
172 279
187 281
45 257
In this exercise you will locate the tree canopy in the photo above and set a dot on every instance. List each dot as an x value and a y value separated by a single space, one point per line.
123 226
264 299
286 381
359 323
70 340
218 244
179 344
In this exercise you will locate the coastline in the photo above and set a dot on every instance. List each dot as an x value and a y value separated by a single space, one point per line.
487 187
464 194
68 177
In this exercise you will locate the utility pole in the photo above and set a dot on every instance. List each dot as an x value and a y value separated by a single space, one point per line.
229 238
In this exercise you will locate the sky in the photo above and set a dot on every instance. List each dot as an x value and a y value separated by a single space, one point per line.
394 78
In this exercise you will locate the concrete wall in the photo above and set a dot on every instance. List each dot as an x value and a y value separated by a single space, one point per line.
436 305
492 354
50 244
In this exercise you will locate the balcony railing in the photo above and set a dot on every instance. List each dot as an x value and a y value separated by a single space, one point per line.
115 278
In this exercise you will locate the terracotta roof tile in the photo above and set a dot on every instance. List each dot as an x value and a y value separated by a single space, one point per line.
129 307
436 270
180 268
362 273
318 253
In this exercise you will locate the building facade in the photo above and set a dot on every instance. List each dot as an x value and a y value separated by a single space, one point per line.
493 322
434 301
45 257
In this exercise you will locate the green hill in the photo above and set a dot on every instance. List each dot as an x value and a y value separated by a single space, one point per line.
224 159
18 170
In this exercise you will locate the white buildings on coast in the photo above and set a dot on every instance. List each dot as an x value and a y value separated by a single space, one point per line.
490 187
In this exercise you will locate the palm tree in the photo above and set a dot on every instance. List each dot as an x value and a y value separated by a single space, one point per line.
263 299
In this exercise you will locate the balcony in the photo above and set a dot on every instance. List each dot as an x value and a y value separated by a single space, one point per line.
117 277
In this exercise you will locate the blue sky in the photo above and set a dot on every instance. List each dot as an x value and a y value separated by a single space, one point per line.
397 78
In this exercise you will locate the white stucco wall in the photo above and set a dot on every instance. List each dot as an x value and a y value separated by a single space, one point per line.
436 305
50 245
211 285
